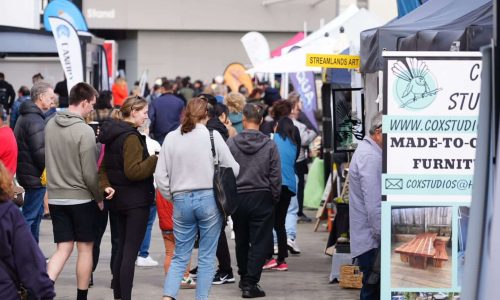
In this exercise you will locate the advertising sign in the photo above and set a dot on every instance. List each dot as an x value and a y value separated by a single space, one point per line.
235 75
431 108
431 105
66 10
69 50
304 84
333 61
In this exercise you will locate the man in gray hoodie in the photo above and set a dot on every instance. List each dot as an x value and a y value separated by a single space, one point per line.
72 182
259 187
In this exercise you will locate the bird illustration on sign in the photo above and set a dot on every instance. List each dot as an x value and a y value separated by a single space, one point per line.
415 73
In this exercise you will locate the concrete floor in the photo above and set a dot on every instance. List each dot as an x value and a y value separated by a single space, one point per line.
307 277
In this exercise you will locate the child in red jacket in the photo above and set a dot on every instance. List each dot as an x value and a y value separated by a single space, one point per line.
165 214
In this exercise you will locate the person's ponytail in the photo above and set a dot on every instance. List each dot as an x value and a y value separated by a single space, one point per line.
116 114
131 103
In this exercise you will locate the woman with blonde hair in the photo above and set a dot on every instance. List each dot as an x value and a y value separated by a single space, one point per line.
128 168
189 182
235 102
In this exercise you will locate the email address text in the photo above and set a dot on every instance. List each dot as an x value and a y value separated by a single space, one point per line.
437 184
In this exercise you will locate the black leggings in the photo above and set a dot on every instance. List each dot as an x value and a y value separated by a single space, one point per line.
279 222
100 227
132 225
222 253
301 168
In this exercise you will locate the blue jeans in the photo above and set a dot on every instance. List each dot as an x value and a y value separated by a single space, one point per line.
144 251
291 218
33 209
193 211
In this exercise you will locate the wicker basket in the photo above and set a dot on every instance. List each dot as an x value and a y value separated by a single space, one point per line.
350 277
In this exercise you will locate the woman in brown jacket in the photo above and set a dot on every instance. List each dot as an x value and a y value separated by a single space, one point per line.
129 169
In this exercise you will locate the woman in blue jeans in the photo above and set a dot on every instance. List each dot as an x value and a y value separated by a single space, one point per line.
184 173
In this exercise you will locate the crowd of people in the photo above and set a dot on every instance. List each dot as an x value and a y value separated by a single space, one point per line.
131 156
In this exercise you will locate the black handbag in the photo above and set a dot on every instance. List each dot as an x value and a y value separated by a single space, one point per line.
224 185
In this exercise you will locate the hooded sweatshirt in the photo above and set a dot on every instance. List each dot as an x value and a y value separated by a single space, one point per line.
71 160
260 167
21 254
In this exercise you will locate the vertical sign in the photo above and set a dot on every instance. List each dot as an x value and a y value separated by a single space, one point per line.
69 50
431 105
304 84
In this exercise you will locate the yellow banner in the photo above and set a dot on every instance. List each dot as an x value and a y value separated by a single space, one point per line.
333 61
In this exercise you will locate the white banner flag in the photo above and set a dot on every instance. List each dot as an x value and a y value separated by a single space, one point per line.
69 49
257 49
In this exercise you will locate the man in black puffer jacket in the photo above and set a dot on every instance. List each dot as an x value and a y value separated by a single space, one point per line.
30 136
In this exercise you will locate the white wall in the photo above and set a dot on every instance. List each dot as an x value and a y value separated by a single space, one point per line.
213 15
386 9
20 13
201 55
18 72
128 50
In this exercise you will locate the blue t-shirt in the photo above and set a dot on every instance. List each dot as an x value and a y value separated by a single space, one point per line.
288 154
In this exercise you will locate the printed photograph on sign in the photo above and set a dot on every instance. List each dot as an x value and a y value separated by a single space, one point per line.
348 119
424 296
463 226
421 251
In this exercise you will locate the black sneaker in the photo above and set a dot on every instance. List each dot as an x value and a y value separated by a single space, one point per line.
304 219
221 278
193 273
254 291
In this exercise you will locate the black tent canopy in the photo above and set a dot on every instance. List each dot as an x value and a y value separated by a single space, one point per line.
434 26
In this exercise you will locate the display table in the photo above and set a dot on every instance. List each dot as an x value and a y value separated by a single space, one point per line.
339 259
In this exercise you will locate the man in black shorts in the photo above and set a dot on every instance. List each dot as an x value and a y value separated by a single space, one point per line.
71 163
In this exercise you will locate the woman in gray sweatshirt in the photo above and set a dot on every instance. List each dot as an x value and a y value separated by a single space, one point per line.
184 174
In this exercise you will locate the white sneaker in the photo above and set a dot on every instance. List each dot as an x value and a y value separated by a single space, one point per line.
146 262
292 247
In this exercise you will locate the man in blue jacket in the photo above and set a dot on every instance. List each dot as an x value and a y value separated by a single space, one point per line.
165 113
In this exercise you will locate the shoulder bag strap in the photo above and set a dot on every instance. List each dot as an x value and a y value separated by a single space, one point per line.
213 146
